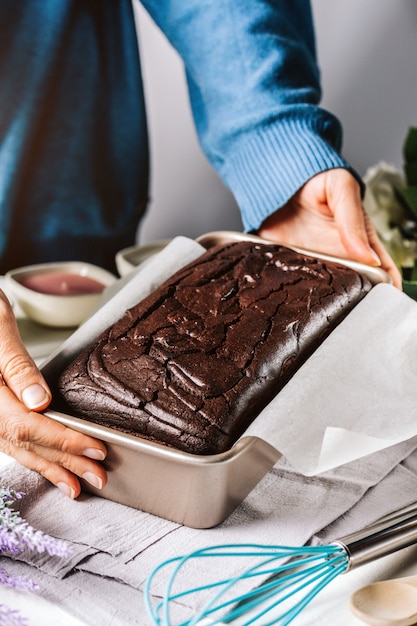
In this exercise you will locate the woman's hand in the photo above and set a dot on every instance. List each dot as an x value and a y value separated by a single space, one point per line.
38 442
326 215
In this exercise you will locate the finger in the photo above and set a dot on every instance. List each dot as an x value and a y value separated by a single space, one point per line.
25 428
64 474
17 368
387 262
357 232
367 249
48 447
344 200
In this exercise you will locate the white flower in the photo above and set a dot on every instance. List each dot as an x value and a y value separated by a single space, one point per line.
386 212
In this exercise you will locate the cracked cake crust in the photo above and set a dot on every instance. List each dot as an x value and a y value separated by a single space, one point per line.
195 362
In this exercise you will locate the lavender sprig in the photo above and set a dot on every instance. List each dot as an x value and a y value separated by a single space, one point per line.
16 534
11 617
17 582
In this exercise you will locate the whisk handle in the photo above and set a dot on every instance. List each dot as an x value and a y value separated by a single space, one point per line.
385 537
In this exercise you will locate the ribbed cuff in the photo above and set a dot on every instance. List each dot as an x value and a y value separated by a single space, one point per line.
271 165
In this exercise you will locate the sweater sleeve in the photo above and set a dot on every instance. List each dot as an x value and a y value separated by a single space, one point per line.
254 86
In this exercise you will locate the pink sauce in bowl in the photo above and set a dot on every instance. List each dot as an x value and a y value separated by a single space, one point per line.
62 284
61 295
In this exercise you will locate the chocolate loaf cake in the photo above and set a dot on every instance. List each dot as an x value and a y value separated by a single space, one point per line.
196 361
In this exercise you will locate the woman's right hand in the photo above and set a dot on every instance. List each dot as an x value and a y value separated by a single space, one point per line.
40 443
326 215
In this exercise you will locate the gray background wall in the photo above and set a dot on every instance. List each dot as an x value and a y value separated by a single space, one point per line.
367 53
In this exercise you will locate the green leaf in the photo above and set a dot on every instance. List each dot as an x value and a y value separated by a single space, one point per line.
410 171
409 275
410 145
408 196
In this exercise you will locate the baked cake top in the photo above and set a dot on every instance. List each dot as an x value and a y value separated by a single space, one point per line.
196 361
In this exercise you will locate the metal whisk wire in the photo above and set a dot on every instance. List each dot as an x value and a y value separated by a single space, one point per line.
294 583
279 583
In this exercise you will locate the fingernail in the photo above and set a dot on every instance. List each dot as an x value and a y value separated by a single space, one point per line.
35 396
93 479
376 258
69 491
95 453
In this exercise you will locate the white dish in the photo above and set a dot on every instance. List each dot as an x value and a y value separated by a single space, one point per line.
129 258
66 309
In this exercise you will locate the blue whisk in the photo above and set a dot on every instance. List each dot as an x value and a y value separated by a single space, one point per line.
277 582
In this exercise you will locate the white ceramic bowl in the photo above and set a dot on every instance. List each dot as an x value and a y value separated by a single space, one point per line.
66 309
129 258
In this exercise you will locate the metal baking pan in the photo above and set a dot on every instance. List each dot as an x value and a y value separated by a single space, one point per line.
375 274
197 491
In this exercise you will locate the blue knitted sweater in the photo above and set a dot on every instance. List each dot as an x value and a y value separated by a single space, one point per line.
73 138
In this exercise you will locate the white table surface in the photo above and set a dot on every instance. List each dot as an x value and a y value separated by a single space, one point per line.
329 608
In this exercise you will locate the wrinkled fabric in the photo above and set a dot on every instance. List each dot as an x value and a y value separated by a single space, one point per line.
115 548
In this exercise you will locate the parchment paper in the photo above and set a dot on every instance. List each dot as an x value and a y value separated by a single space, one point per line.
357 394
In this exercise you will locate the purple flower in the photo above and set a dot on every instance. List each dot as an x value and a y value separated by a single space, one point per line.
11 617
17 582
16 535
